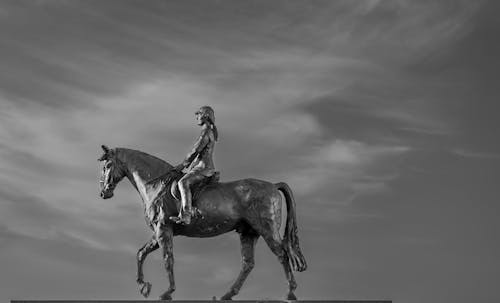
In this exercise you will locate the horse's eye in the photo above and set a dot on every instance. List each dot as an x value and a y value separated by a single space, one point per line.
108 165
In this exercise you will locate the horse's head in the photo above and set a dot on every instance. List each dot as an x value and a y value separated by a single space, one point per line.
112 172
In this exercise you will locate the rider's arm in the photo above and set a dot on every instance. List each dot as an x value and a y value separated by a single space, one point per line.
197 148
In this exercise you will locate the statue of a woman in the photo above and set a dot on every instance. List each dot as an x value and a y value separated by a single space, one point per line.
198 163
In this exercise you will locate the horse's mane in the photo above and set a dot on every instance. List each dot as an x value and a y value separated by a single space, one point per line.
153 166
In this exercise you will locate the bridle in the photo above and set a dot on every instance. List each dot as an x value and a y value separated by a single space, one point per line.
112 179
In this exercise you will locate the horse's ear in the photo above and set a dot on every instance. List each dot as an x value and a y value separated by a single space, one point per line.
107 153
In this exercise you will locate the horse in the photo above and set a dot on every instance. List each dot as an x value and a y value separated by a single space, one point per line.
251 207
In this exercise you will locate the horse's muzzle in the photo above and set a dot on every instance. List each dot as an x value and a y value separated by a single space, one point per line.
106 194
107 190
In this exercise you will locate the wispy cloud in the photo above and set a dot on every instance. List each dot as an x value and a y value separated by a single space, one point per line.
345 169
476 154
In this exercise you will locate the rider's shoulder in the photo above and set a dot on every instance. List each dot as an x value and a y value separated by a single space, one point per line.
208 132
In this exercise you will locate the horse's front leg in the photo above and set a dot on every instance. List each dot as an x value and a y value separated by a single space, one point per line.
165 239
151 245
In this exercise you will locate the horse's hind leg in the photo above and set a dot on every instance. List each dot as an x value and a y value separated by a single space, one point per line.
248 240
150 246
269 230
267 224
276 246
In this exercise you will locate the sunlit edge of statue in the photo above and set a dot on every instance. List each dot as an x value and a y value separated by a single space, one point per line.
249 206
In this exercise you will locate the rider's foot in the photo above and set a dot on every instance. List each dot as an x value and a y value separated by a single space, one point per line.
183 218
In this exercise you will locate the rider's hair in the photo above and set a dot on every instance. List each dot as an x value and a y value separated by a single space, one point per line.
209 114
214 128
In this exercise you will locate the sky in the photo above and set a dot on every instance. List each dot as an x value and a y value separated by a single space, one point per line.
382 116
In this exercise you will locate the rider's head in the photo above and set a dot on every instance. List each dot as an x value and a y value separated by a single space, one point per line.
206 115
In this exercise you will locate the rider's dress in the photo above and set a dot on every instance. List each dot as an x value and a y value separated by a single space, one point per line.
200 165
200 158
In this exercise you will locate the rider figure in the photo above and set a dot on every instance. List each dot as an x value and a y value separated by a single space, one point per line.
198 163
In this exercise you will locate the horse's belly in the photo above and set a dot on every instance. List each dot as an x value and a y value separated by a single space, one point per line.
203 229
209 223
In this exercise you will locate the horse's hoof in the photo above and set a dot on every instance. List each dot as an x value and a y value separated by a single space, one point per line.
166 297
145 289
291 296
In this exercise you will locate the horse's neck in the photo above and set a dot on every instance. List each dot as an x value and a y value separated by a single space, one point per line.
142 170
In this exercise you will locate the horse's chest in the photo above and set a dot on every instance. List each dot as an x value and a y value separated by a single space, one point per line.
155 212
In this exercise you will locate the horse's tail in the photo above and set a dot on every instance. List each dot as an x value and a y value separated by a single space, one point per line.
291 239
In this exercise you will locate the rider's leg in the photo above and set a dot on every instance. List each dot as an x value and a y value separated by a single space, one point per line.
185 184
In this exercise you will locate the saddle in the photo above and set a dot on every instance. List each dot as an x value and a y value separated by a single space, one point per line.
196 188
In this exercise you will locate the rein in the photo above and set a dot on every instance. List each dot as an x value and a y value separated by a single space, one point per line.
168 177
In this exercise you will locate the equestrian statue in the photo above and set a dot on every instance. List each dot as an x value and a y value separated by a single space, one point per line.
189 200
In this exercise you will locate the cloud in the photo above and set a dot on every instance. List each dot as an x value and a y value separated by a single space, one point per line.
30 215
475 154
334 175
27 214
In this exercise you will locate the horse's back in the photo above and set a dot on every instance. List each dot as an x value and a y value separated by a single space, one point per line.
237 193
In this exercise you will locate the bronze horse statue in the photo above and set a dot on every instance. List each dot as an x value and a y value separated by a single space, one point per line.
251 207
